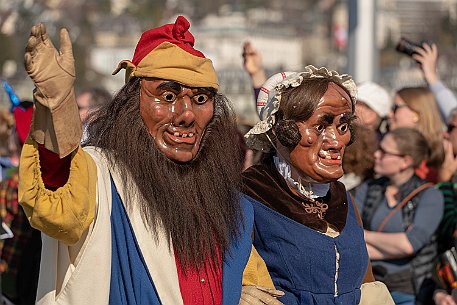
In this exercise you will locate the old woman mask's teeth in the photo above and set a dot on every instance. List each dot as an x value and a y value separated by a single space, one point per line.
324 154
328 156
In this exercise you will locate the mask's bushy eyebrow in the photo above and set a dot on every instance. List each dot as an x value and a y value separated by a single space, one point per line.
206 90
326 119
210 92
170 85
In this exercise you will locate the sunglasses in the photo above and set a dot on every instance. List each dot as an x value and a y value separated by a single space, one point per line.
395 107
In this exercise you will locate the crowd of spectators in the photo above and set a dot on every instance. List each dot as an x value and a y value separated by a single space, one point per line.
401 167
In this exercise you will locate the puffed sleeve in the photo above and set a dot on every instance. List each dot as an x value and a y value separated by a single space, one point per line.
66 213
256 272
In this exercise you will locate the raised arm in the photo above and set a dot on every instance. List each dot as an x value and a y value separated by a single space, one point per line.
65 210
56 123
252 63
427 56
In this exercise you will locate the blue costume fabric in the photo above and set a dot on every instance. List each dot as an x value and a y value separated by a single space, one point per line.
302 261
131 282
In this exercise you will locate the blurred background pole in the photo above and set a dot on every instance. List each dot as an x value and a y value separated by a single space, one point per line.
362 50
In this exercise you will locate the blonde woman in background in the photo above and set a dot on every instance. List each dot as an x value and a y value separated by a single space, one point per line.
416 108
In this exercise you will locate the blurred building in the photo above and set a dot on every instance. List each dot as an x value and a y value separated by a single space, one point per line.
221 38
418 21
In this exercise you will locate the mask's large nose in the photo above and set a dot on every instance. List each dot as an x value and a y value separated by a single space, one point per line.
183 110
332 139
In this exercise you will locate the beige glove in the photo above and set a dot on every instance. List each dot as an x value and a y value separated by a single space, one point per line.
257 295
56 122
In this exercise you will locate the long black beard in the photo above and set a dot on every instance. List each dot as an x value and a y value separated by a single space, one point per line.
196 203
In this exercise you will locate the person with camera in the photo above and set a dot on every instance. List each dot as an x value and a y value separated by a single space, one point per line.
427 55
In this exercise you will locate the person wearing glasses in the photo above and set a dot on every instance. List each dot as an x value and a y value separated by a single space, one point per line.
400 213
415 107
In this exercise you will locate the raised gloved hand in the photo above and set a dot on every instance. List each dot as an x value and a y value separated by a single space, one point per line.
52 71
56 122
257 295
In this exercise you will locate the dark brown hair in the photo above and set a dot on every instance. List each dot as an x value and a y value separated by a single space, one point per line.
299 103
196 203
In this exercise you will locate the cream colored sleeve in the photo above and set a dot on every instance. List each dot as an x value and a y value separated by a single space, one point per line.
64 214
375 293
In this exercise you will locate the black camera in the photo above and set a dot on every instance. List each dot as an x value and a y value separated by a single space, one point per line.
408 47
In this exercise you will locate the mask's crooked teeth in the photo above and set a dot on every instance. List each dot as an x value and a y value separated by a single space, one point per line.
184 135
338 158
328 157
191 134
176 134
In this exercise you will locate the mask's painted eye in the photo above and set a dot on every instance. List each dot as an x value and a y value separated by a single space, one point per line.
201 98
320 128
169 96
343 128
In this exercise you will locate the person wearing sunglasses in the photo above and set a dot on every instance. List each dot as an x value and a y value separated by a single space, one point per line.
415 107
400 213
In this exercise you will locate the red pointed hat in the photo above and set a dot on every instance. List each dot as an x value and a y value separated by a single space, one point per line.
167 52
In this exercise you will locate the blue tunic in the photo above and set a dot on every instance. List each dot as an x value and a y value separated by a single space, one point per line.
302 261
131 282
